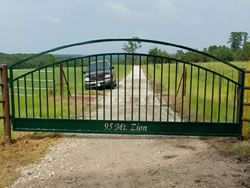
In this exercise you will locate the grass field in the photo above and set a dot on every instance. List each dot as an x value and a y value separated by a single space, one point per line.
197 94
76 87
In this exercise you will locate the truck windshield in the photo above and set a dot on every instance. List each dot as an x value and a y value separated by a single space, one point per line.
100 66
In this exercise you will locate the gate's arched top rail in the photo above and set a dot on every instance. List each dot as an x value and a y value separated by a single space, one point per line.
130 54
127 39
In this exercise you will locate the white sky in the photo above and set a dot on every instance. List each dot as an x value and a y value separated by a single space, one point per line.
38 25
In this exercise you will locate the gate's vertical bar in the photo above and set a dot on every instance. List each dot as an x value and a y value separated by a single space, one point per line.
139 113
61 78
147 93
68 90
75 89
197 94
125 81
212 100
185 81
118 101
161 88
54 89
219 99
183 90
40 95
82 80
205 93
168 89
89 90
96 83
235 91
176 67
47 93
153 115
227 100
18 98
32 86
104 72
190 93
5 96
132 104
111 85
25 94
61 87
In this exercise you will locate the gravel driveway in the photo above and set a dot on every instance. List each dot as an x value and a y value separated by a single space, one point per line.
84 160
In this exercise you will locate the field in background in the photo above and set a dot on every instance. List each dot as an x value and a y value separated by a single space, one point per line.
192 94
41 110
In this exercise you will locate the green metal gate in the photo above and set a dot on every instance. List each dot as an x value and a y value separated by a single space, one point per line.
128 93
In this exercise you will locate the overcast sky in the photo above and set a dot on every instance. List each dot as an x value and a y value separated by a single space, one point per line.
38 25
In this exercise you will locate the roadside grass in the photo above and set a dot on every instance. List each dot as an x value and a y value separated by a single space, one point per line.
231 147
28 148
241 148
197 101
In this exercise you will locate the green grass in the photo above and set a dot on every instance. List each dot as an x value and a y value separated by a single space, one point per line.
75 104
192 94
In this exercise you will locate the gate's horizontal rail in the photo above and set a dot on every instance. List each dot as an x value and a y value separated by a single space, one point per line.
17 70
128 127
35 80
29 88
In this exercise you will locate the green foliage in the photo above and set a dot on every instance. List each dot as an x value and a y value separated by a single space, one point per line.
221 52
132 46
237 39
158 52
239 51
10 59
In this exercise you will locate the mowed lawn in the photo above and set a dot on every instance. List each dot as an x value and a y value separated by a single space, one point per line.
198 94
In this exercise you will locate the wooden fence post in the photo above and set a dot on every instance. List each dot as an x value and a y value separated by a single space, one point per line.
246 104
5 101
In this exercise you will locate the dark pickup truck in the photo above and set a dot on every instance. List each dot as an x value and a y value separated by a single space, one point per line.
100 74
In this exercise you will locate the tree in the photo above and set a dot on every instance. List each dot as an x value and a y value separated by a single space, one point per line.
132 46
237 39
246 51
157 52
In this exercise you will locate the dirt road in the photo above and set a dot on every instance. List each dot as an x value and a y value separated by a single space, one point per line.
83 160
127 103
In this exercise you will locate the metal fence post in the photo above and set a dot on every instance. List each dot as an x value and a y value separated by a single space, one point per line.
5 101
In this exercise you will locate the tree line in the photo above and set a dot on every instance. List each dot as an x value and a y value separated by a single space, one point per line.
10 59
239 50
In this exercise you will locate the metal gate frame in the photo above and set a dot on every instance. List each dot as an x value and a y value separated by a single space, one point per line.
131 127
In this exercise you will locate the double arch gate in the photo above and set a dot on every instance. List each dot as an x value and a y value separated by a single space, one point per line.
137 93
